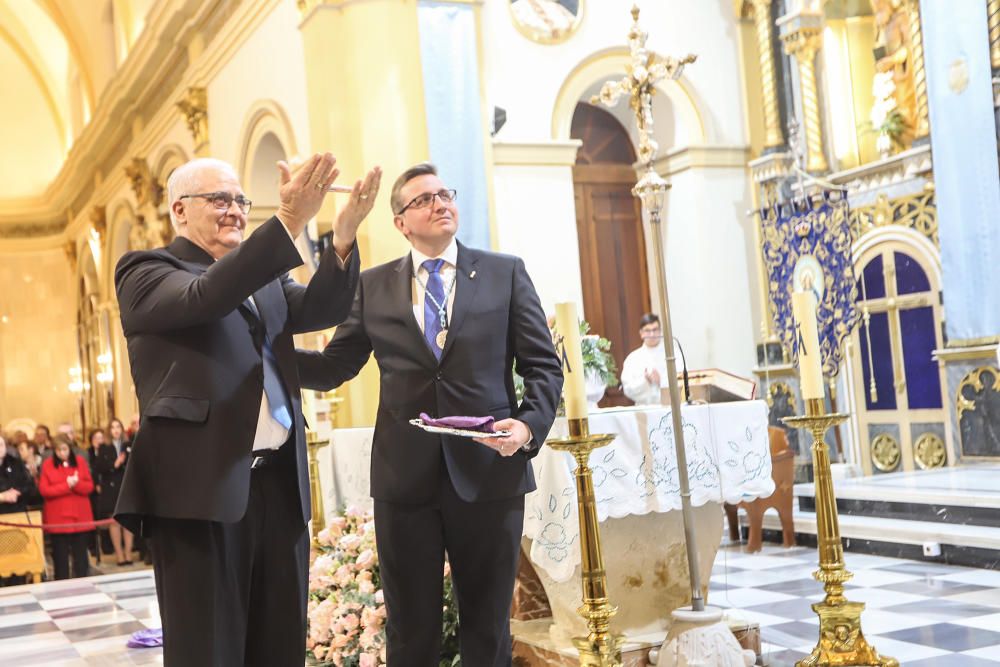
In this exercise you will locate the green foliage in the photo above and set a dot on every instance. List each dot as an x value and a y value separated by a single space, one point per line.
597 359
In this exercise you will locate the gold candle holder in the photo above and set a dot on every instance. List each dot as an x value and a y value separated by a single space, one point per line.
841 641
314 443
600 648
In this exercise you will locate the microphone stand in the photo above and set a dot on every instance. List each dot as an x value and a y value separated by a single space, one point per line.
684 372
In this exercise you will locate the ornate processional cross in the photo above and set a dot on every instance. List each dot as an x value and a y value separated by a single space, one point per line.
645 70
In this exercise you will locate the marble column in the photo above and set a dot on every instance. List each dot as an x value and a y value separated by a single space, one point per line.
366 105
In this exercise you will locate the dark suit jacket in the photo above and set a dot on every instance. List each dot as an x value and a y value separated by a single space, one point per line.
497 322
106 476
195 353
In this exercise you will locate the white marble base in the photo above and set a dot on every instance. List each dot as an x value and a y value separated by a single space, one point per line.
699 639
646 563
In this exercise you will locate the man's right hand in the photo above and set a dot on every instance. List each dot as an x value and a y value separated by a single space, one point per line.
302 193
10 496
653 376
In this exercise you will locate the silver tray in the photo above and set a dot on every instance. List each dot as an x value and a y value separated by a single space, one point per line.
460 432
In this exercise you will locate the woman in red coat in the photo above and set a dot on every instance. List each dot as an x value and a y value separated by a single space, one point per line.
65 484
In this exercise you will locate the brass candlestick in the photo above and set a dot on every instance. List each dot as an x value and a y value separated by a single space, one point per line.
314 443
600 648
841 641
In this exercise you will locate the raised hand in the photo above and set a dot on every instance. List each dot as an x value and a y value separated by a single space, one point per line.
358 207
302 193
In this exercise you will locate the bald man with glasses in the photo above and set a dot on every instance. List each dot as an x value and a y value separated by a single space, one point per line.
218 478
447 324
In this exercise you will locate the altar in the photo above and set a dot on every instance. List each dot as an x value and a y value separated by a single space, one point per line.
636 488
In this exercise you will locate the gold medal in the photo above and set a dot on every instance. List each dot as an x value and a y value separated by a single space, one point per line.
441 338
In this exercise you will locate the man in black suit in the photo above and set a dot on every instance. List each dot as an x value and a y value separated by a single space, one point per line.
218 476
447 324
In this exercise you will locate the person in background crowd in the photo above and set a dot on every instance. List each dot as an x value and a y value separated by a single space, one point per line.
66 485
43 440
108 460
17 493
17 439
28 452
17 488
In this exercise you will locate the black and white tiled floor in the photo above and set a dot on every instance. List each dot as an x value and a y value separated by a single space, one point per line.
922 614
79 622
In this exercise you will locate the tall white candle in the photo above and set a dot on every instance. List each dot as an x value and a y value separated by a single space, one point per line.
574 385
806 330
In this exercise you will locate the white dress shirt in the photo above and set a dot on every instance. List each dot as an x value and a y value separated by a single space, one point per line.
270 433
448 276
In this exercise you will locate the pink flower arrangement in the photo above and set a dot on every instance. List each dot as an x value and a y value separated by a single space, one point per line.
346 610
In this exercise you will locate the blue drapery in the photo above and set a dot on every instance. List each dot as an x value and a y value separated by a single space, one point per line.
808 247
452 101
963 138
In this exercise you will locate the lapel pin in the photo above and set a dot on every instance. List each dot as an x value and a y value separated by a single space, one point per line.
472 275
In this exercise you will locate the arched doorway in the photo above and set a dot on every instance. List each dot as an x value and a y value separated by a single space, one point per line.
609 229
899 386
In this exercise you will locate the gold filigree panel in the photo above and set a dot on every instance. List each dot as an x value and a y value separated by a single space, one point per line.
929 451
918 212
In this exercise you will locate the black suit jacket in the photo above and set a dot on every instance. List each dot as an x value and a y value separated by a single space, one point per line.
195 352
497 323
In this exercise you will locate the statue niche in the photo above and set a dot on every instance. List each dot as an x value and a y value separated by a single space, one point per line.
894 61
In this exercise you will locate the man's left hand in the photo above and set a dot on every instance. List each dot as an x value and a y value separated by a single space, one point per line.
358 207
520 435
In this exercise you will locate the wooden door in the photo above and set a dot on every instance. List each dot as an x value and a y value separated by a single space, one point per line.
610 233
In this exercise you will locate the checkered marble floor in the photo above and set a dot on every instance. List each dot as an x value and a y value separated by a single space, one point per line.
923 614
79 622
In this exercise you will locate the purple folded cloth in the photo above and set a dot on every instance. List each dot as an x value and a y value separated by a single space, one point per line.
483 424
146 638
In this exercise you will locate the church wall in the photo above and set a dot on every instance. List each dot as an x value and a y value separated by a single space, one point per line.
525 78
709 244
536 220
270 65
37 337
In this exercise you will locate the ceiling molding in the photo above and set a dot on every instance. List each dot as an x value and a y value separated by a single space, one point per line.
31 59
137 85
70 33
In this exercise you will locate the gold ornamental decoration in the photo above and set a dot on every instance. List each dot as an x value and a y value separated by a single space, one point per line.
917 211
764 26
929 452
975 381
993 21
194 106
885 452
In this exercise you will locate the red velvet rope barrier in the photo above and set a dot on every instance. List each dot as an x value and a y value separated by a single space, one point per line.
84 525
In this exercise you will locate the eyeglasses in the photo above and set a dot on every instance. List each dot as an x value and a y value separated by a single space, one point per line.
223 200
426 199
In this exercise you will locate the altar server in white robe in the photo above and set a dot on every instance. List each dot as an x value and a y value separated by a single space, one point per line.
644 372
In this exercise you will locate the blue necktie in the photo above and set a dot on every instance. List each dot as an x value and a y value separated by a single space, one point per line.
432 318
275 392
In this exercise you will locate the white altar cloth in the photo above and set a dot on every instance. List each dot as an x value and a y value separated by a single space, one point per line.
728 461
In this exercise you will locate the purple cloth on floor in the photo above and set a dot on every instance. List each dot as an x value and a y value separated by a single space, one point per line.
149 638
483 424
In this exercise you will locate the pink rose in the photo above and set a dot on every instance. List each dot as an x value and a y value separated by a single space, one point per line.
368 660
379 597
365 559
